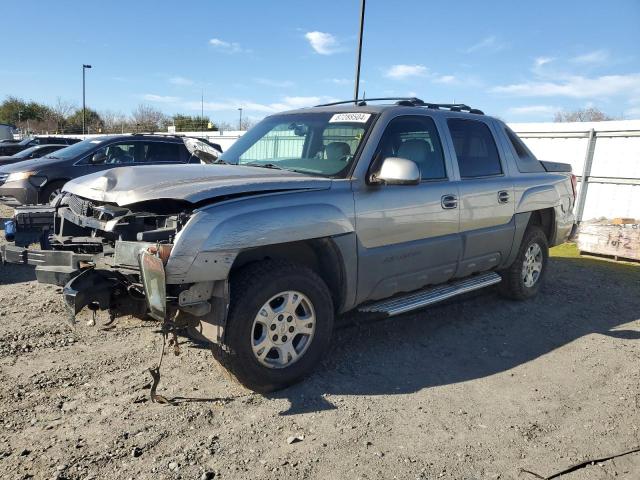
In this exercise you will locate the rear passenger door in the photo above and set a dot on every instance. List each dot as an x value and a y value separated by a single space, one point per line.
486 196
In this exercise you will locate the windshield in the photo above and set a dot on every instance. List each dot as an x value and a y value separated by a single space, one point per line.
316 143
76 150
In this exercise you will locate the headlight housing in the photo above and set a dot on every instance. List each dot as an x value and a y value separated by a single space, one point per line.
17 176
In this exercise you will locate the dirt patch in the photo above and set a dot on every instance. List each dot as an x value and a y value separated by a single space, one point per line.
476 388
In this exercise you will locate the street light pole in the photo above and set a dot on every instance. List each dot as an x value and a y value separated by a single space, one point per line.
359 58
240 121
84 109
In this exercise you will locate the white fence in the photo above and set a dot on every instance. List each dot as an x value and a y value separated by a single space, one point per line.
604 155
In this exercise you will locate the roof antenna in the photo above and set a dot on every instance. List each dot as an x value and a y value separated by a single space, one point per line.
359 58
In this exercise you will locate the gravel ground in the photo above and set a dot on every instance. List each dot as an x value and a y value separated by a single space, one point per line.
472 389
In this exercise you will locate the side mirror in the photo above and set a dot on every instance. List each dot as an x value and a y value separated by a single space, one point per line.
99 157
398 171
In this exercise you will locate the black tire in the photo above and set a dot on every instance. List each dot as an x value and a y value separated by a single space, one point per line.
513 284
251 288
48 192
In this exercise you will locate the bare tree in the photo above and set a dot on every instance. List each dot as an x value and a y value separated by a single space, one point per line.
590 114
115 122
247 123
61 110
225 126
148 118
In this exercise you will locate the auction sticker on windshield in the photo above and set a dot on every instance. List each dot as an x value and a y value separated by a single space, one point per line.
350 117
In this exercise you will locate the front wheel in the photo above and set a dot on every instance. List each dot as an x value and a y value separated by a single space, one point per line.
279 324
523 278
50 192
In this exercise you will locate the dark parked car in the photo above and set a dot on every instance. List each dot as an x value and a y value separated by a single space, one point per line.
13 148
30 153
39 180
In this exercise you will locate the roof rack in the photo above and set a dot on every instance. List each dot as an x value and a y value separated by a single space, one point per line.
362 102
409 102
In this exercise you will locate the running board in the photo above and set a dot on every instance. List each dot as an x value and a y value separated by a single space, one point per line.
422 298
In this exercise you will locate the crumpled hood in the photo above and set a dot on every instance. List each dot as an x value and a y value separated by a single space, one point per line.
192 183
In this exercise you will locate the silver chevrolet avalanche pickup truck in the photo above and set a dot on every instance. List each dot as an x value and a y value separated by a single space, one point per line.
380 207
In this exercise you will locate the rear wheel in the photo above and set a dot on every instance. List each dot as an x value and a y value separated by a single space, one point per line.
523 278
279 324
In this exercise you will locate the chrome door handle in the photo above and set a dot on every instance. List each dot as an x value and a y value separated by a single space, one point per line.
503 196
449 201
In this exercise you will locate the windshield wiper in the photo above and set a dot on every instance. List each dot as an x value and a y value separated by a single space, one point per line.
263 165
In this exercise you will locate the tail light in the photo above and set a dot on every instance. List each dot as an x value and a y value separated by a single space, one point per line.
574 185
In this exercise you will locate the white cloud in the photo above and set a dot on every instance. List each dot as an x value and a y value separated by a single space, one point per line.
490 43
274 83
323 43
575 87
446 79
541 61
340 81
226 47
180 81
160 98
534 110
400 72
597 56
539 65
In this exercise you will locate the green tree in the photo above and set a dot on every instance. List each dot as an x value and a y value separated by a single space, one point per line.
93 122
17 111
192 123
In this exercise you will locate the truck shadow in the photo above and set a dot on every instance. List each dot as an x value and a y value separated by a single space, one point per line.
473 337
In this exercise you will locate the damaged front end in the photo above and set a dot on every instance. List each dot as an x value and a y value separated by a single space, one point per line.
111 258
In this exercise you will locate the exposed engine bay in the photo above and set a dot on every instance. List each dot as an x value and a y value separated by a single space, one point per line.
88 226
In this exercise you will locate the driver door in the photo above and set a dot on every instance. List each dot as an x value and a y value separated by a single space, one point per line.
408 235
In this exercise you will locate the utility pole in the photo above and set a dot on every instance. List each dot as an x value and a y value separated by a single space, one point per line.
359 58
202 111
240 120
84 108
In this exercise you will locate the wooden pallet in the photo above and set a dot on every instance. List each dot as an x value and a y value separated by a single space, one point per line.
615 238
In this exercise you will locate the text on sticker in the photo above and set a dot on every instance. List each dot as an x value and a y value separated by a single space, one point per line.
350 117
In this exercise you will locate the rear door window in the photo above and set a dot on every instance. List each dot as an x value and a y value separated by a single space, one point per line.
525 160
475 148
160 152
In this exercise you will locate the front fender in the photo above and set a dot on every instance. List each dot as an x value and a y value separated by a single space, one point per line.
207 246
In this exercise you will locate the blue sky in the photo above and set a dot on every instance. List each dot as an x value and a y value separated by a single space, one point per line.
521 61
